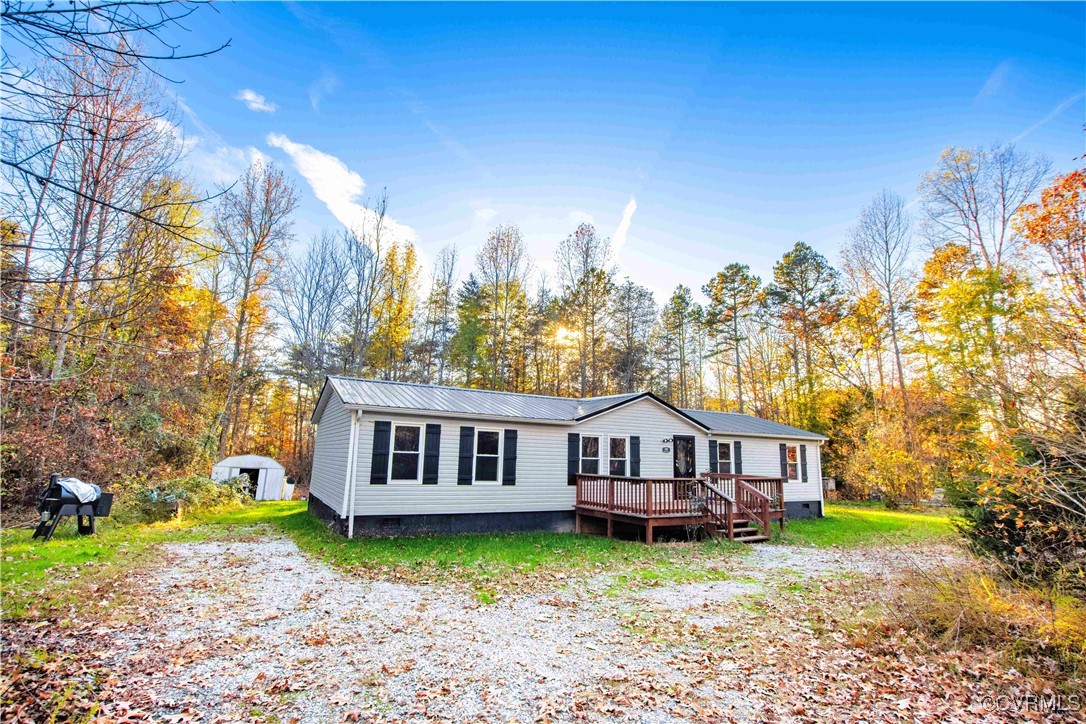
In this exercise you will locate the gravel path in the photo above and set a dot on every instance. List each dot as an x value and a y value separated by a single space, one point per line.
257 629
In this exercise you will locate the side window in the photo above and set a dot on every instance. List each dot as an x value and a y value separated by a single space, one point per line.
793 462
406 451
590 454
487 451
618 455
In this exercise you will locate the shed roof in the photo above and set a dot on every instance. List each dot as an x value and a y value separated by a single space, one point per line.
358 392
248 461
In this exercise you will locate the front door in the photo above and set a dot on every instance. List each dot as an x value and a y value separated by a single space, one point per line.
685 464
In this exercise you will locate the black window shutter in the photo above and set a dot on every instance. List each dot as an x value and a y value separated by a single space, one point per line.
635 456
737 453
714 462
784 461
803 462
509 464
467 451
382 439
574 457
433 454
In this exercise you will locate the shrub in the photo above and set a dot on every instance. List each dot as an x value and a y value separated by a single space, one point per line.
1036 629
143 500
883 463
1029 513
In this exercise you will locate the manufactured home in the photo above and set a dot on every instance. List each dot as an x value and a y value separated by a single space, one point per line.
400 458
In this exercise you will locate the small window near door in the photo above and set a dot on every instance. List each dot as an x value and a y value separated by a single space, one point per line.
618 455
724 457
793 462
590 454
487 451
406 451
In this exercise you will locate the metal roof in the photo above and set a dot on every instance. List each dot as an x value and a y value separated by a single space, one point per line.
731 423
413 396
457 400
592 405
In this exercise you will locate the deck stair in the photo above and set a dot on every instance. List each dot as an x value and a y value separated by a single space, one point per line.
738 507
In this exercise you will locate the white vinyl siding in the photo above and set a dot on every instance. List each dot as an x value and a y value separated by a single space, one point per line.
762 456
541 473
540 483
541 462
333 437
652 423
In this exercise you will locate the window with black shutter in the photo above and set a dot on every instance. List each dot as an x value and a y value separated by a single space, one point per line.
405 465
488 445
590 454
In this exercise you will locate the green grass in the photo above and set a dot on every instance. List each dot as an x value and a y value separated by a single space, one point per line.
849 524
73 572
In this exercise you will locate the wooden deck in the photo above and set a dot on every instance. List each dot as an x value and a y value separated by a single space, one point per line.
741 507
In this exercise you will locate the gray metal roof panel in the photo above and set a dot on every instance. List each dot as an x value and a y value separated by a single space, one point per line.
732 423
592 405
458 400
412 396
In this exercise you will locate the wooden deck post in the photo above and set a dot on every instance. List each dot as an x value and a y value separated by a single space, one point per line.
648 501
610 526
648 532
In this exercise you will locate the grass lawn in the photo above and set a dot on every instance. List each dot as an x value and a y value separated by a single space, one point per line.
857 524
73 572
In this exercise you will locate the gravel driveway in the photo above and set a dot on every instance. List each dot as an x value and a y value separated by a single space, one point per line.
257 630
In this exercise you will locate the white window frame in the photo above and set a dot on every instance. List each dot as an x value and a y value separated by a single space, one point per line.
392 453
788 448
725 445
599 455
626 460
475 456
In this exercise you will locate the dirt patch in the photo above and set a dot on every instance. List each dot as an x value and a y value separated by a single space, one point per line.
874 560
255 630
701 594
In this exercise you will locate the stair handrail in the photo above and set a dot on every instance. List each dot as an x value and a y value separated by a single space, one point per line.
728 520
756 497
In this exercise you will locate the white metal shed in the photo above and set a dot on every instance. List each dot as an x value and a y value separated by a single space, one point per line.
267 478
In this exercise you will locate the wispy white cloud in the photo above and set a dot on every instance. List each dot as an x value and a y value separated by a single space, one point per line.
1060 108
576 218
337 186
224 165
211 159
995 82
254 101
321 88
485 213
619 239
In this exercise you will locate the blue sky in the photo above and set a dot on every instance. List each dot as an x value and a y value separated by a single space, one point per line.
694 135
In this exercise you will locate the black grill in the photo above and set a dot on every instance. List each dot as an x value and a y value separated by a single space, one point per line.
57 502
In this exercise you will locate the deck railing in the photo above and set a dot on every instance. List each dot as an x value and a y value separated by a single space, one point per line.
648 497
727 500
